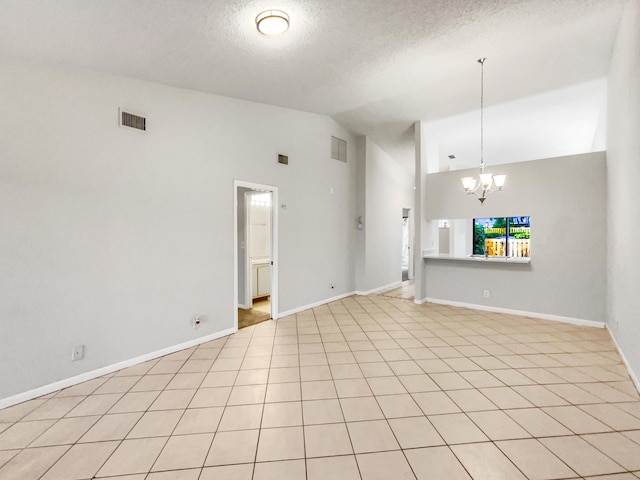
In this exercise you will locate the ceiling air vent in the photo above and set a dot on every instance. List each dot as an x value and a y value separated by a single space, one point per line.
338 149
132 120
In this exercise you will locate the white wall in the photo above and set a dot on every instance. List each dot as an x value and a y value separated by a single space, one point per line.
623 171
566 200
387 190
114 238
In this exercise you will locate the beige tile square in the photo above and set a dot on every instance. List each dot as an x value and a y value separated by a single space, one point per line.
226 364
81 461
612 416
150 383
457 428
258 376
619 448
450 381
199 420
366 355
384 465
576 420
580 456
418 383
133 456
112 427
481 379
65 431
435 403
21 434
286 414
202 398
282 361
415 432
497 425
471 400
135 402
246 394
54 408
386 385
166 366
540 396
334 468
376 369
242 417
357 387
318 390
396 406
313 373
31 463
360 408
322 411
284 375
219 379
486 461
405 367
511 377
436 463
372 436
280 444
327 440
505 397
186 380
534 460
283 392
184 451
345 371
156 424
538 423
233 447
286 470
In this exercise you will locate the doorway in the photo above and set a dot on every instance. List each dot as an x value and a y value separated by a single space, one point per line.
255 253
406 264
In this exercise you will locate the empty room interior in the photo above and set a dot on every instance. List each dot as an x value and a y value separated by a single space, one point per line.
253 240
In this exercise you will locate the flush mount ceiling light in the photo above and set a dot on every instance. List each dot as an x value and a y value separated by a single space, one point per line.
489 183
272 22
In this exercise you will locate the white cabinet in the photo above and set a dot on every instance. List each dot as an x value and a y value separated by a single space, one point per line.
260 280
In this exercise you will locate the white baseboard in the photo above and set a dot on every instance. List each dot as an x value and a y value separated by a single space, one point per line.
632 374
542 316
391 286
83 377
315 304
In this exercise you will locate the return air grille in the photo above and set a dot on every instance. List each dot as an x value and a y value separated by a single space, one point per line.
132 120
338 149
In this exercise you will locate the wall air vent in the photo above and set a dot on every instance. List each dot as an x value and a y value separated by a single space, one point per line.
283 159
131 120
338 149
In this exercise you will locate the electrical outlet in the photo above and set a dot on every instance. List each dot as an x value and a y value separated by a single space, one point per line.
196 321
485 293
77 353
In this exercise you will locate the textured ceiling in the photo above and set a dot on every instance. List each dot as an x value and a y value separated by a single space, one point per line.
376 66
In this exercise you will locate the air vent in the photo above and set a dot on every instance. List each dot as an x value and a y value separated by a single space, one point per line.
283 159
132 120
338 149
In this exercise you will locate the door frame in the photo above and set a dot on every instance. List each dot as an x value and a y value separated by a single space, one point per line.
274 246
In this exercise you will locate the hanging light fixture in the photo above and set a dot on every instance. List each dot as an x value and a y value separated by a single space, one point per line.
486 183
272 22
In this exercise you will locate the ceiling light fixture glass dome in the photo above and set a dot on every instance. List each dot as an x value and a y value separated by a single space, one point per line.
272 22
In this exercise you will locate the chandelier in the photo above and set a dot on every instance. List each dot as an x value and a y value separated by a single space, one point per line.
486 183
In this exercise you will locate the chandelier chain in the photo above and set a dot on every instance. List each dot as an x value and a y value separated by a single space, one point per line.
481 62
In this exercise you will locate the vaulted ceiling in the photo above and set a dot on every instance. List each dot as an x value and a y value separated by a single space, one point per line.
376 66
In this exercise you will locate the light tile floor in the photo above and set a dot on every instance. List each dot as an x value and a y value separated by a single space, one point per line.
367 387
